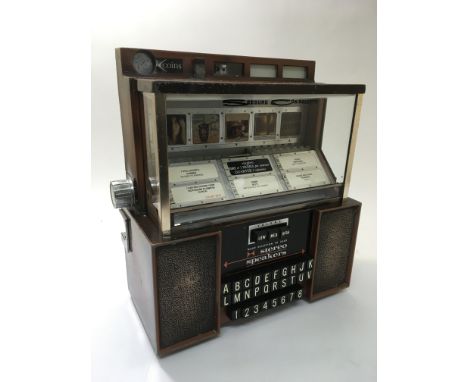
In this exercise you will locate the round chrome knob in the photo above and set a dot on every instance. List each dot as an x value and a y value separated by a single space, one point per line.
122 193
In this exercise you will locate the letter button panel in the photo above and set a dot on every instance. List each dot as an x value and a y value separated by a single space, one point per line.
246 294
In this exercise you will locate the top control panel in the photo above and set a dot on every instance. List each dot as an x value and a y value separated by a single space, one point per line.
164 64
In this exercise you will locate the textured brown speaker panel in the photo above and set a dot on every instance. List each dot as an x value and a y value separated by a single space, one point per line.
187 287
335 239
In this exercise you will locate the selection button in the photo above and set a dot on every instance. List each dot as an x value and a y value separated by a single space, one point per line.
273 234
259 236
284 232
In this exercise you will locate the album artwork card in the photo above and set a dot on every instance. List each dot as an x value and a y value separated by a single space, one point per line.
176 129
205 128
237 127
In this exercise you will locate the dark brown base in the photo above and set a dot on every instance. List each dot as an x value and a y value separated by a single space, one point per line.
158 270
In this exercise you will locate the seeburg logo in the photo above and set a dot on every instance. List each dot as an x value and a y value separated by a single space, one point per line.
275 102
243 102
168 65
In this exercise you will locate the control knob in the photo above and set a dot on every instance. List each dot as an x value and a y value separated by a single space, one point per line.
122 193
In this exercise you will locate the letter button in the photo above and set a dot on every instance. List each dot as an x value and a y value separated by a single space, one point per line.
256 291
257 280
301 277
293 269
256 309
276 274
226 300
246 295
237 285
236 298
292 280
226 288
273 303
234 314
301 266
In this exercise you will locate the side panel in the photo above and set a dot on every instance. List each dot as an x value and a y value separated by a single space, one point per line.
139 261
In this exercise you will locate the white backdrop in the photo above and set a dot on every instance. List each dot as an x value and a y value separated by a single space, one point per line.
330 340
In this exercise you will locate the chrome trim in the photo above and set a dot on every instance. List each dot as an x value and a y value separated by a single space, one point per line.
155 121
259 197
250 215
284 221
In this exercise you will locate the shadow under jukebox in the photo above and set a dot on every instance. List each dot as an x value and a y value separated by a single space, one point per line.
236 198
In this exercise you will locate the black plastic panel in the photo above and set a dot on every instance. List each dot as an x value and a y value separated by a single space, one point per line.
238 254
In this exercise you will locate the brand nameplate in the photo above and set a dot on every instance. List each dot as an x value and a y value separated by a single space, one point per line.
169 65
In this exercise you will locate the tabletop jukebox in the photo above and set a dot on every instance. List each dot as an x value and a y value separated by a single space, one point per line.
236 197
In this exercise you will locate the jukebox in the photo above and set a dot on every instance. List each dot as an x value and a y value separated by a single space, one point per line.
236 199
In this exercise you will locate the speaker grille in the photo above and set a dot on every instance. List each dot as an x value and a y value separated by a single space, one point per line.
334 248
186 284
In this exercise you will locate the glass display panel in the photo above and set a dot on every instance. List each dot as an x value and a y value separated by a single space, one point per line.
224 150
337 132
